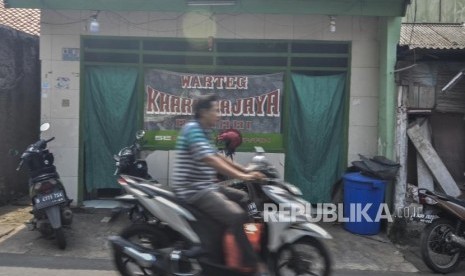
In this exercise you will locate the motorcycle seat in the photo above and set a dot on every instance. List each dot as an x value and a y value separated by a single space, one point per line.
45 176
451 199
160 190
166 192
457 201
156 189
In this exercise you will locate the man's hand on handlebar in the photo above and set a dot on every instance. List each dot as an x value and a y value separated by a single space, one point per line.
254 175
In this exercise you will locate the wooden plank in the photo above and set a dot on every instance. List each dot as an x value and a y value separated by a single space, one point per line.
421 96
432 160
425 178
426 96
400 188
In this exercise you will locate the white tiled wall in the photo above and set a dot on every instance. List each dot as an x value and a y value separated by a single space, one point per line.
364 81
364 28
250 26
365 54
278 26
57 33
60 104
60 22
160 163
163 25
309 27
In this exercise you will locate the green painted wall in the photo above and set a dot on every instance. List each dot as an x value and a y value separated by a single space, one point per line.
389 37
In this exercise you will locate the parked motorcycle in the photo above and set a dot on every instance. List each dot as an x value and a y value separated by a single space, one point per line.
127 163
443 239
50 203
187 242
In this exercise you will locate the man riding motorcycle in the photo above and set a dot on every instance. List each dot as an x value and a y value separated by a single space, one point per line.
196 165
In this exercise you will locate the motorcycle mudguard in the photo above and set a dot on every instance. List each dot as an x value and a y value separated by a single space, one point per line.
54 216
297 231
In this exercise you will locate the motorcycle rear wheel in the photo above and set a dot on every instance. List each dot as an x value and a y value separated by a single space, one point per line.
144 235
61 239
299 258
434 246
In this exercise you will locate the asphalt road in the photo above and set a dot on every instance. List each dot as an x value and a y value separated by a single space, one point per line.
24 252
21 264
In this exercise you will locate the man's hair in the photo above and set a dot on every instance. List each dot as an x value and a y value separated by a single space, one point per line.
203 103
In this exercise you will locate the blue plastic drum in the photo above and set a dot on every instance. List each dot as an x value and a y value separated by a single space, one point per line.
363 198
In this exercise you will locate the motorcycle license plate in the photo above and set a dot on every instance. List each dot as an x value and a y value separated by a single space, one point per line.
47 200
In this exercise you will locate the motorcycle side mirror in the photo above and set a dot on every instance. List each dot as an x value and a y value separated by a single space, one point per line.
140 134
44 127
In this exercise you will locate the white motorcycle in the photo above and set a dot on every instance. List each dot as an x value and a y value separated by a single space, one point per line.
183 241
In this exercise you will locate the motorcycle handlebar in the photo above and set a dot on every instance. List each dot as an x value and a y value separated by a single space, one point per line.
49 140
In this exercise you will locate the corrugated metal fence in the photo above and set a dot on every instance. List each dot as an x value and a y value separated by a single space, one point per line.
19 106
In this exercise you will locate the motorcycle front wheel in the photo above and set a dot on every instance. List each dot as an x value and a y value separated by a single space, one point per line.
306 256
147 236
438 253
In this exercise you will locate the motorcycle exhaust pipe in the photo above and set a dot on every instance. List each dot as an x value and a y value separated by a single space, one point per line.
134 251
154 260
457 240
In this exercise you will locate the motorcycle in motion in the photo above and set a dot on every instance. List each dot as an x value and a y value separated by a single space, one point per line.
443 239
187 242
50 203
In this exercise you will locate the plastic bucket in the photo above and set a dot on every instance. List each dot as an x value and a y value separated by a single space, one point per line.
363 197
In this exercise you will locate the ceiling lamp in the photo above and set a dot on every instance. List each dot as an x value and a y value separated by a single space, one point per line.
94 25
332 23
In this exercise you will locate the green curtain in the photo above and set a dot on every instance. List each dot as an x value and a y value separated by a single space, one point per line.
315 158
110 121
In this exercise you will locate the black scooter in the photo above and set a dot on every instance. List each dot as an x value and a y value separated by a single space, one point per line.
49 200
127 163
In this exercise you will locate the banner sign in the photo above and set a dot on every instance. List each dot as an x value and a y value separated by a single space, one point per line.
251 104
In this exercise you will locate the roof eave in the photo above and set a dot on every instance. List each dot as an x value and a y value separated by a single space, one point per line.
389 8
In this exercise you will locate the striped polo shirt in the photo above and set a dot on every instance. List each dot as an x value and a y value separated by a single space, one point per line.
191 174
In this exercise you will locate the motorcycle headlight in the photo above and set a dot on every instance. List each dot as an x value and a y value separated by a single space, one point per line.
126 152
